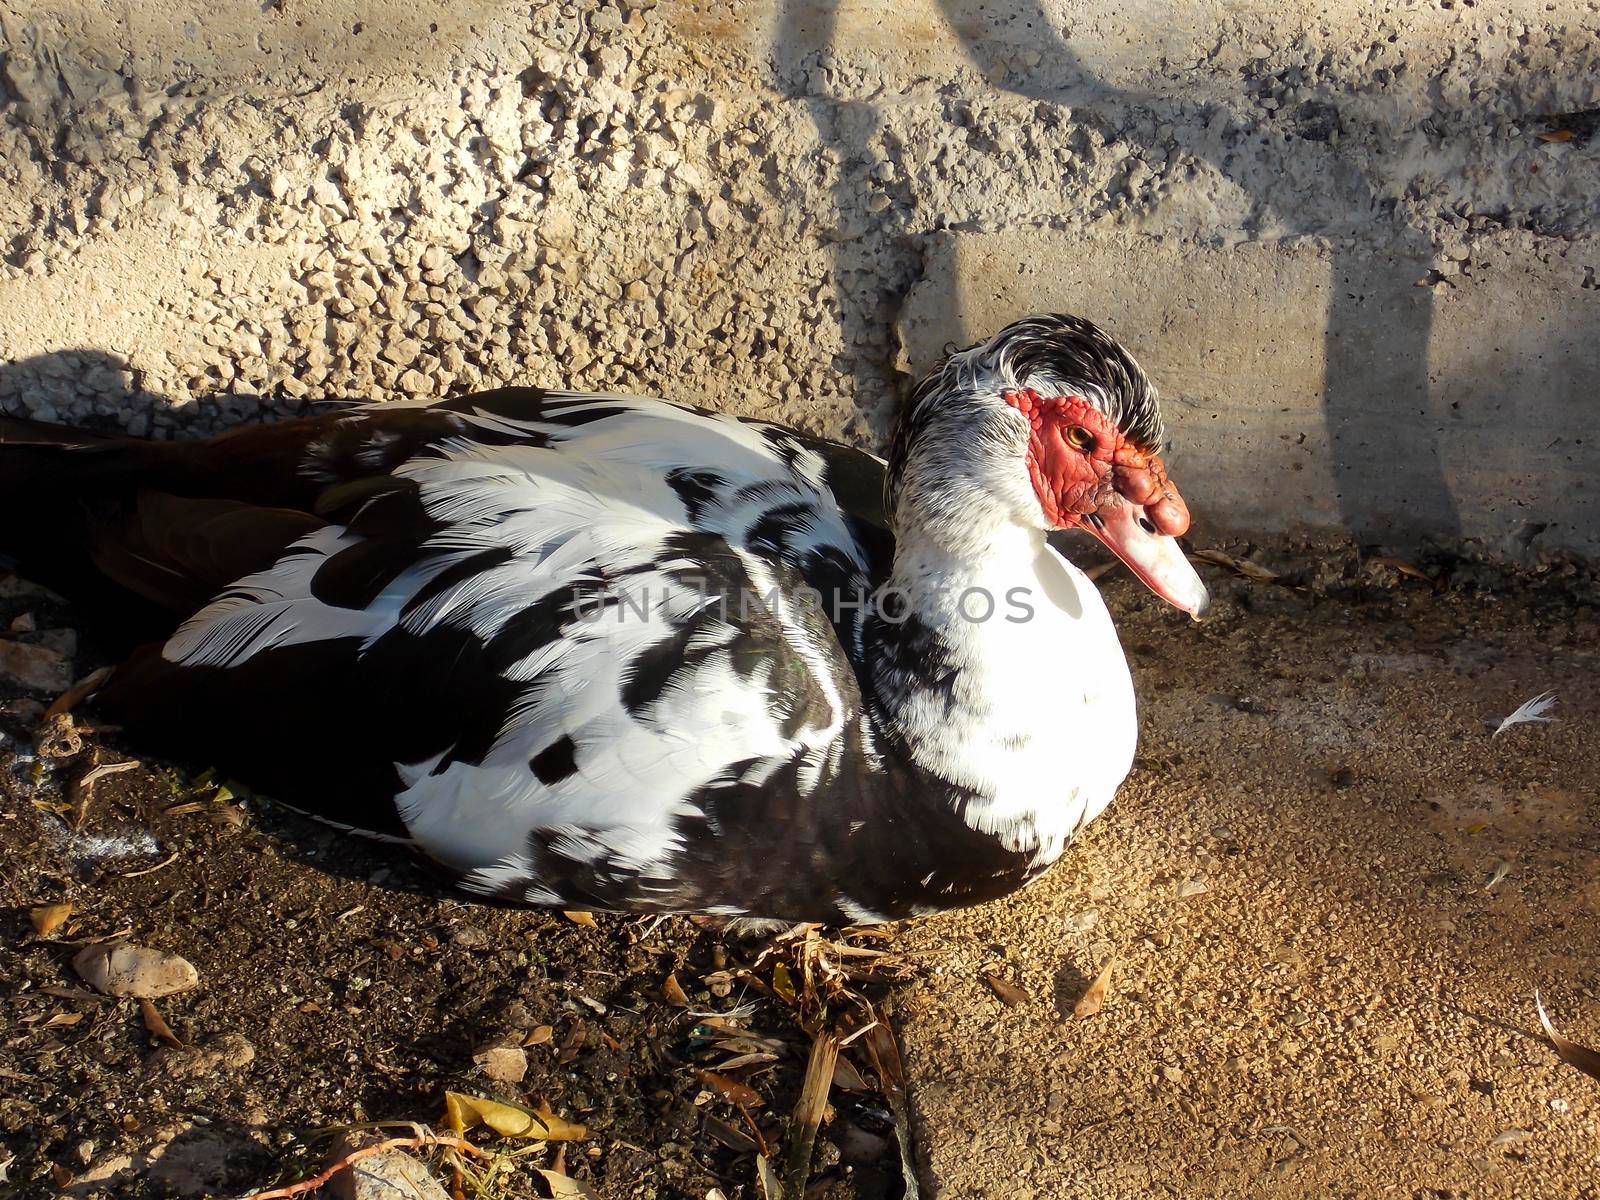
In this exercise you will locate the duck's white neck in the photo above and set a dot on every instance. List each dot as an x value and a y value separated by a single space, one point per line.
1005 676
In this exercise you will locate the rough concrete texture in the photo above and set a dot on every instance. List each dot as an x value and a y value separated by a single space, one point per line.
729 203
1280 420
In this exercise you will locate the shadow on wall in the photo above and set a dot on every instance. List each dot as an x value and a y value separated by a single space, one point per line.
118 386
1379 327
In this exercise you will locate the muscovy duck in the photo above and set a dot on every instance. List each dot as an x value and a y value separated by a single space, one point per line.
610 652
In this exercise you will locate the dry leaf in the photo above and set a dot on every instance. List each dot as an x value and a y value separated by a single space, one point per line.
503 1064
577 1035
538 1035
156 1025
75 695
1093 1000
736 1140
672 992
1574 1054
1402 566
730 1090
586 919
846 1076
1242 566
1555 135
783 983
771 1189
463 1112
1010 994
749 1043
48 918
62 1019
565 1187
746 1060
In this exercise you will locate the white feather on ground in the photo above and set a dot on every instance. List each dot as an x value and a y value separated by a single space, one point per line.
1531 712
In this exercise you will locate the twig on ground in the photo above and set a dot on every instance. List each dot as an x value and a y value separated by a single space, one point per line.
885 1053
808 1112
165 862
82 788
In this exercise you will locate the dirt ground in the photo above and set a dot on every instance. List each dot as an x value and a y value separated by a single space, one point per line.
1328 891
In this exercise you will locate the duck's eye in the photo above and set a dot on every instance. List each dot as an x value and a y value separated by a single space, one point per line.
1081 438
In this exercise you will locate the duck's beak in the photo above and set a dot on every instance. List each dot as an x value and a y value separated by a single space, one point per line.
1154 557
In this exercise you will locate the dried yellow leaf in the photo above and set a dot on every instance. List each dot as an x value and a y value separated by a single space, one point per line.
48 918
463 1112
538 1035
783 983
1574 1054
672 992
586 919
730 1090
1094 999
157 1026
1009 993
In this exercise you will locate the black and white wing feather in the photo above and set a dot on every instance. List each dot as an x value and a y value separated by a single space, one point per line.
554 637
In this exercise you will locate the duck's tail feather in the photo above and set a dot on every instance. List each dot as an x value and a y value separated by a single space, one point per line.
130 527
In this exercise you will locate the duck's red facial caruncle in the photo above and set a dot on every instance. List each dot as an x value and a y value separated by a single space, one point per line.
1088 475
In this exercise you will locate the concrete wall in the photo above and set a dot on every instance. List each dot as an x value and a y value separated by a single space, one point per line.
1334 232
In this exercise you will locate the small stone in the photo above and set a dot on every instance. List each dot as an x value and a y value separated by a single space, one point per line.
635 291
503 1064
392 1175
63 641
28 711
718 214
226 1052
14 588
124 969
207 1162
1085 920
37 667
402 352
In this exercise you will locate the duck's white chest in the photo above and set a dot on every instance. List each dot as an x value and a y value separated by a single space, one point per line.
1055 732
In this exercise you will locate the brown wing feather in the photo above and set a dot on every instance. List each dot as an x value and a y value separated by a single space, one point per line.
178 551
